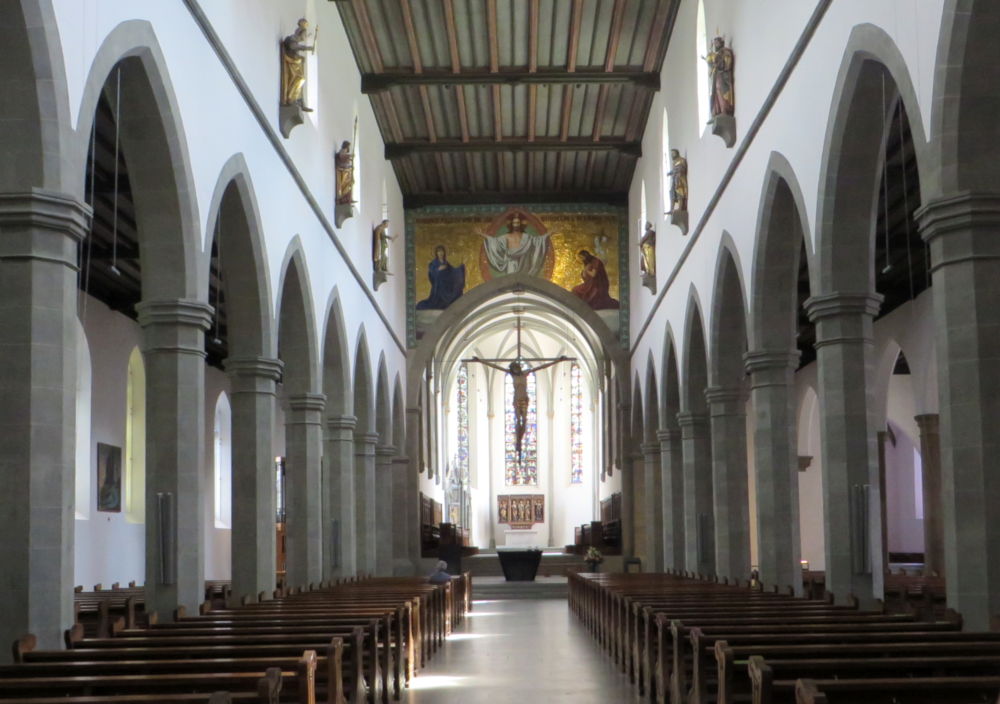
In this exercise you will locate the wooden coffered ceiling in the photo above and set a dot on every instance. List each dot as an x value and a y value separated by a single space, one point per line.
483 101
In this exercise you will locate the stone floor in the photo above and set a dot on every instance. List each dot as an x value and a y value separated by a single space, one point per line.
520 652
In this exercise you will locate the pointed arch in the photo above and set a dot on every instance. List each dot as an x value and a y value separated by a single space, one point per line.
782 235
154 144
135 439
728 339
670 395
336 360
236 237
873 73
364 391
398 417
383 406
694 378
651 423
297 346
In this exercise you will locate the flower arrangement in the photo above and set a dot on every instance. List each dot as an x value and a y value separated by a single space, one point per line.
593 555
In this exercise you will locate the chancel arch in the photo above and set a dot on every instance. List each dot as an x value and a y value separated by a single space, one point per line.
553 324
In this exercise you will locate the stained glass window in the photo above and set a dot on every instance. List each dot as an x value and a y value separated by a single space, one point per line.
576 424
462 404
521 471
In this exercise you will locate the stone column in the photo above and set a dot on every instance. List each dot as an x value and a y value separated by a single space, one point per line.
303 495
672 497
340 556
252 382
880 439
850 454
411 483
174 353
652 505
930 456
39 234
731 500
404 518
772 393
699 523
366 506
961 231
384 455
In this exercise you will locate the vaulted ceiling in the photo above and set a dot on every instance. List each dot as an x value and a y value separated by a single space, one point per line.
483 101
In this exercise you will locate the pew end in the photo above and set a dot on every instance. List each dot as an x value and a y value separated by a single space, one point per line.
306 677
761 679
806 692
73 635
269 686
180 612
118 626
724 664
204 608
24 644
335 671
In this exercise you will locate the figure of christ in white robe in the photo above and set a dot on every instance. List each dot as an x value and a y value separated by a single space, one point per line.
516 250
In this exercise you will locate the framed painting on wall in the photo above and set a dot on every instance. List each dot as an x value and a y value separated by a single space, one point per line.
109 478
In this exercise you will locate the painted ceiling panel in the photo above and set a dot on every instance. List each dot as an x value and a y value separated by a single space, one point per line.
442 73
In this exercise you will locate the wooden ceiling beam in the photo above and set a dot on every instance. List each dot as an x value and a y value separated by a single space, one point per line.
452 28
492 33
615 35
657 35
367 34
400 150
421 199
379 82
532 36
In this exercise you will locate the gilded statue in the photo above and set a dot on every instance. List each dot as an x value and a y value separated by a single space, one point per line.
678 182
380 246
647 251
720 66
293 65
344 164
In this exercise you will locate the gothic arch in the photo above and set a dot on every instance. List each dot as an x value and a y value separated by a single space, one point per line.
364 390
852 157
296 331
383 406
782 231
728 340
336 360
35 138
162 181
694 377
233 218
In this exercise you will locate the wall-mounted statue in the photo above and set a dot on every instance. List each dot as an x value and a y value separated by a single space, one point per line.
293 76
380 252
647 258
723 103
343 162
678 190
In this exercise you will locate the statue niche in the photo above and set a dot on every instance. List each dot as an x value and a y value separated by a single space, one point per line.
723 96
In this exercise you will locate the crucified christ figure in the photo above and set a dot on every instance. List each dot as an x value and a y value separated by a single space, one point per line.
519 378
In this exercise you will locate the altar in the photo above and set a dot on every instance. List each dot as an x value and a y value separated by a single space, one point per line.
521 538
519 565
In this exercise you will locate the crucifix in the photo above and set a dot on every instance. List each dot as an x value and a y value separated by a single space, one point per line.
518 372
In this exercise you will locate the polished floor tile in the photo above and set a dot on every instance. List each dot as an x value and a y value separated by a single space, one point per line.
520 651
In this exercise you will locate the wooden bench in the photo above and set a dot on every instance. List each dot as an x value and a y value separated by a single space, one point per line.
912 690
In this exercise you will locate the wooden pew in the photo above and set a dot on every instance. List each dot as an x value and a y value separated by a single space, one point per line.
912 690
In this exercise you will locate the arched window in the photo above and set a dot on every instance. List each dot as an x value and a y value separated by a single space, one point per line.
576 423
525 471
667 165
135 440
222 458
641 222
701 47
83 461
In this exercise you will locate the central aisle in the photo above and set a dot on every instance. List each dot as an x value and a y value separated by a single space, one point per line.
520 651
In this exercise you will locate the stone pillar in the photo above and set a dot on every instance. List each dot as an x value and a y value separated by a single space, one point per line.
252 382
850 455
303 495
411 484
880 439
366 506
930 456
39 234
340 556
672 497
384 455
731 500
174 354
772 394
699 523
961 231
652 507
404 518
